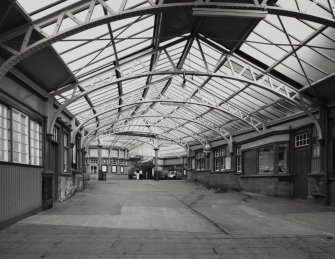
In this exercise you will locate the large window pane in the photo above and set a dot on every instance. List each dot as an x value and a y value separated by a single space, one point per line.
20 137
249 162
35 143
3 134
266 160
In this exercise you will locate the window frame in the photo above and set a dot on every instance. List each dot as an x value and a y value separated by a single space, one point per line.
40 141
55 134
112 167
30 117
275 146
239 162
200 161
65 154
6 129
220 155
27 136
303 139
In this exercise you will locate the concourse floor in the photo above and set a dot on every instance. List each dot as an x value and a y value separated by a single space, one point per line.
123 218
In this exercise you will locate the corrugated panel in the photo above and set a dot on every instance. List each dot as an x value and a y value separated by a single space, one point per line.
20 190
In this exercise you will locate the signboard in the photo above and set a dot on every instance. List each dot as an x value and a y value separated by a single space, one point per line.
113 168
104 168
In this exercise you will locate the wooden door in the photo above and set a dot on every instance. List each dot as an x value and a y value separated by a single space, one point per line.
54 165
301 161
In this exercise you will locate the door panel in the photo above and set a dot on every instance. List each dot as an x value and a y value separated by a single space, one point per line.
54 167
301 168
301 163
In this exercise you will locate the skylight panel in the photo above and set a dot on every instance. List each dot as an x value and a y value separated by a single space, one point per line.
318 8
133 28
326 40
33 6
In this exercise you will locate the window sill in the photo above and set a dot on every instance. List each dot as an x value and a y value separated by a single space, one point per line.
315 174
19 164
223 172
265 175
201 171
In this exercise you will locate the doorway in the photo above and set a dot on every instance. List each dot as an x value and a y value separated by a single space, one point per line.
301 162
54 167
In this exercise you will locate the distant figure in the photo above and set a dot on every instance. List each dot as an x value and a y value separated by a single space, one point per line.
141 175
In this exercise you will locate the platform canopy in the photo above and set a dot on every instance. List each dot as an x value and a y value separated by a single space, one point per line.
181 72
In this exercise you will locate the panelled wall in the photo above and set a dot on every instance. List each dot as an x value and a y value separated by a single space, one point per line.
20 192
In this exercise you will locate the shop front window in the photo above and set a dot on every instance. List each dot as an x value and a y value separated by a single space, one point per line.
282 158
266 160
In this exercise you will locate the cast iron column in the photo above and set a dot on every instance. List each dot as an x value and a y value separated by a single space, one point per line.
156 165
100 176
83 156
324 148
47 176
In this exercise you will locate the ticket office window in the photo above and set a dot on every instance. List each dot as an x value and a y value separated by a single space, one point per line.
269 159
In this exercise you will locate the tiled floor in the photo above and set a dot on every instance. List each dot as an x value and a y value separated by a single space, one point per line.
172 219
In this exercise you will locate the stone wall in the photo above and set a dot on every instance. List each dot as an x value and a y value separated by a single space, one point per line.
225 180
66 188
267 185
195 176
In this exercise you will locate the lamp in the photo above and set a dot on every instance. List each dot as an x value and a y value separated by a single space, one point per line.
207 149
229 13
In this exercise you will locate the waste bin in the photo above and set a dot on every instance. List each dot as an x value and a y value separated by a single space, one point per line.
156 175
102 176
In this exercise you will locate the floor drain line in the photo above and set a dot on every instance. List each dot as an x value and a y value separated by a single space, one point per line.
203 216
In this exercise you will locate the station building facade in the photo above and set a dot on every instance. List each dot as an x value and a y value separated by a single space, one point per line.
114 161
286 160
36 169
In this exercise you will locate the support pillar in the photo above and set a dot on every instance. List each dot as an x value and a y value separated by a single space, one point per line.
157 174
83 155
102 175
48 174
47 177
324 148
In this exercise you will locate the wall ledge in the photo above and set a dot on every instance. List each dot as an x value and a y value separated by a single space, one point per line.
315 175
266 176
222 172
